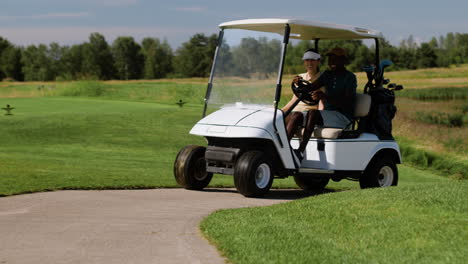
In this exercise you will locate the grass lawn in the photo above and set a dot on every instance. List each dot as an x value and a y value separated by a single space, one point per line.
424 220
76 143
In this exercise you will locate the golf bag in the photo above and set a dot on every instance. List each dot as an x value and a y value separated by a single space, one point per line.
382 111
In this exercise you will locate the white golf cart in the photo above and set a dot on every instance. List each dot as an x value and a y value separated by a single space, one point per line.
246 131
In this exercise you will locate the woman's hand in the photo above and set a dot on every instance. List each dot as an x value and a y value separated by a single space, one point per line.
296 79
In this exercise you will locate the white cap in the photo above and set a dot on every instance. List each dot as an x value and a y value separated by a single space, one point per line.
310 55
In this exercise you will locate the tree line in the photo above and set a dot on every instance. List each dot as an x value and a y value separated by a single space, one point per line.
126 59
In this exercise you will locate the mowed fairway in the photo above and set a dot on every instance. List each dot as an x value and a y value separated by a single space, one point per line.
76 143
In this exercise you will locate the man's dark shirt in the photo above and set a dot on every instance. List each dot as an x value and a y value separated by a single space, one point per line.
339 84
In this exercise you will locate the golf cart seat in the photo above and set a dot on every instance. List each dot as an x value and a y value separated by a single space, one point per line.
361 109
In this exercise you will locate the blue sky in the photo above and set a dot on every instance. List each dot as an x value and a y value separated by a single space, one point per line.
25 22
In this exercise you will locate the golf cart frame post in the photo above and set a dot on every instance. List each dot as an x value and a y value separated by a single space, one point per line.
210 80
246 142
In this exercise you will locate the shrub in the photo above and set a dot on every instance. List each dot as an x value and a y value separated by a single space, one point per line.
430 94
438 118
84 88
429 160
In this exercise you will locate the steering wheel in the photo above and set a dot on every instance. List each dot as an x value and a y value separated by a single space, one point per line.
302 92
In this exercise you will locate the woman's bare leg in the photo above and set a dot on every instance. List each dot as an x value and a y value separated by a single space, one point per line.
313 118
293 121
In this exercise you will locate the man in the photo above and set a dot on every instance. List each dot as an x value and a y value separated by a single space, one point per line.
338 98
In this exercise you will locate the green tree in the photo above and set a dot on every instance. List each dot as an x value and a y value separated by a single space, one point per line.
4 45
11 66
37 64
194 58
362 57
54 54
128 58
97 59
72 59
427 57
157 58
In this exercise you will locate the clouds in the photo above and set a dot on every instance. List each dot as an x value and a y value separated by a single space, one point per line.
105 2
68 35
190 9
117 2
47 16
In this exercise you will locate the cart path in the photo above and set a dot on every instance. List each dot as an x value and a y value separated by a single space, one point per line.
116 226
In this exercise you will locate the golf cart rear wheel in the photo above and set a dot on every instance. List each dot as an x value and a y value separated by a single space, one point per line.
253 174
381 172
309 183
190 168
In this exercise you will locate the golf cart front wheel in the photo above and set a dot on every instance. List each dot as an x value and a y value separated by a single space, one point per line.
253 174
190 168
381 172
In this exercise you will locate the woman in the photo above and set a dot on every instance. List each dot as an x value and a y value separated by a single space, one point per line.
296 118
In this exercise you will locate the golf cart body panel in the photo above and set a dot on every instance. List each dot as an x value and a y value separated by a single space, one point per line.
302 29
341 154
247 121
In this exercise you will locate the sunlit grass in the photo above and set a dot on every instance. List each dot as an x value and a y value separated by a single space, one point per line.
420 223
77 143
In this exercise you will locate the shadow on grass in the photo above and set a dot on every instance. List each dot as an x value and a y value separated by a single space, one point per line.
278 194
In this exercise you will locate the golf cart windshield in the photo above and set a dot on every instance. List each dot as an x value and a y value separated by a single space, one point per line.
246 69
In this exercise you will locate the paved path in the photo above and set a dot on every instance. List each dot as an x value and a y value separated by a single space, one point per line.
125 226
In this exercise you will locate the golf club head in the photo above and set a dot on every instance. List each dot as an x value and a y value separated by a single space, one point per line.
385 63
368 68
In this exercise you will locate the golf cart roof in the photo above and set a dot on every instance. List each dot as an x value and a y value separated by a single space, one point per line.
302 29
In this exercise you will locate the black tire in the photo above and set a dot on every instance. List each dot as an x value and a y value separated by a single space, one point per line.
311 183
381 172
253 174
190 168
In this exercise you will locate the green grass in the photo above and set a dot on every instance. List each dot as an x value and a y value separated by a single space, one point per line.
77 143
160 92
440 118
419 222
140 91
428 94
448 165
